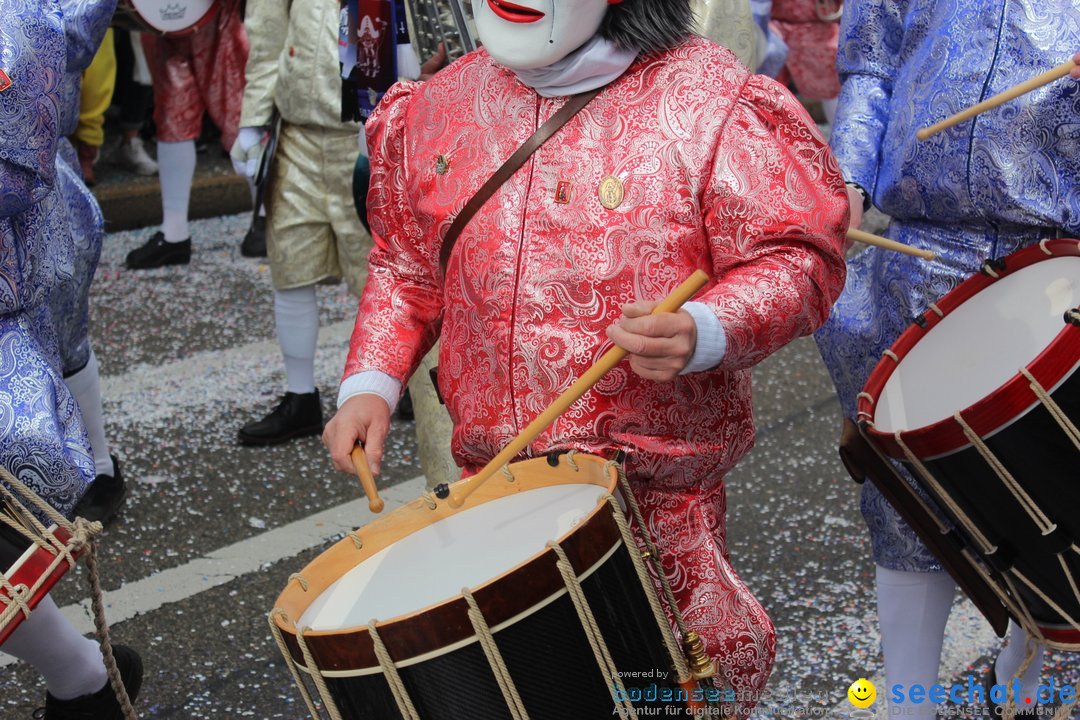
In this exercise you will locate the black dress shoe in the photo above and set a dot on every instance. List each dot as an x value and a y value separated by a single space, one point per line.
254 244
297 415
104 496
158 253
103 704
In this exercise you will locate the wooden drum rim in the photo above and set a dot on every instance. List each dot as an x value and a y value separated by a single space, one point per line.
445 626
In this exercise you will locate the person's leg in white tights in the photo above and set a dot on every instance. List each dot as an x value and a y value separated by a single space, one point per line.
85 386
1018 646
913 608
71 664
296 316
176 163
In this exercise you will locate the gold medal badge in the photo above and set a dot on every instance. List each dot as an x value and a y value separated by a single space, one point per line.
611 192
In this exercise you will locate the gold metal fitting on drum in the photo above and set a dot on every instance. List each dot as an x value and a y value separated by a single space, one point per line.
701 665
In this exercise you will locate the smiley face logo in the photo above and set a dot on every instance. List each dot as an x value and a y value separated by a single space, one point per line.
862 693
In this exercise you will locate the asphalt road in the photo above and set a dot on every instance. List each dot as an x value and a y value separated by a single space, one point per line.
211 530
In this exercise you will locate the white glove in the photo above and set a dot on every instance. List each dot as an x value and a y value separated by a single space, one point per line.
247 150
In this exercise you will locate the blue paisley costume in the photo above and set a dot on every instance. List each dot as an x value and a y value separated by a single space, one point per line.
85 23
42 440
980 190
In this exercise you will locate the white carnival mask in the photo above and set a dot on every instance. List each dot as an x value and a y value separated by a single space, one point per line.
529 34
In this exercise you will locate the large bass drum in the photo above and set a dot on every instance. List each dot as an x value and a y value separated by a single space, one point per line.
165 17
530 601
980 400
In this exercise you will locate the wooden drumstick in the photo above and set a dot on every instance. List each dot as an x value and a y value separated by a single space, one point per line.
367 480
609 360
868 239
1000 99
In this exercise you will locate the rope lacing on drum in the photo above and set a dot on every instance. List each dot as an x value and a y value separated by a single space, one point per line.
280 640
1045 525
299 579
429 500
390 672
317 676
571 461
1053 408
588 624
891 355
507 474
682 668
985 546
82 534
1043 246
498 666
357 540
937 311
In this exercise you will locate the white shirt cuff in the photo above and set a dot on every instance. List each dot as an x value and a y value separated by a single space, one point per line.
711 339
371 382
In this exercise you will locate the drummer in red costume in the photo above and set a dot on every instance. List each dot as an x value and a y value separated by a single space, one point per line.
684 161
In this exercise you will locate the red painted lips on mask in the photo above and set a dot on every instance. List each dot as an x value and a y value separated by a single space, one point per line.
514 13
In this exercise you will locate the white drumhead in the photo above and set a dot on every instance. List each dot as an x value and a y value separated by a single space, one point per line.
980 345
464 550
171 15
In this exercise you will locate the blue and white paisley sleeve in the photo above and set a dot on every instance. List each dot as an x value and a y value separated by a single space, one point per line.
871 35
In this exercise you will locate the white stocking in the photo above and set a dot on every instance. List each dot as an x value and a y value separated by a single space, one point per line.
70 663
1012 657
176 169
85 385
913 608
296 315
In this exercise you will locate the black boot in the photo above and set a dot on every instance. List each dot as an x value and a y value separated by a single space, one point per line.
254 244
158 253
103 704
104 497
297 415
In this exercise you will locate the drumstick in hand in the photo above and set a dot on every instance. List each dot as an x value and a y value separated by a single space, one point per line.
367 480
609 360
868 239
1000 99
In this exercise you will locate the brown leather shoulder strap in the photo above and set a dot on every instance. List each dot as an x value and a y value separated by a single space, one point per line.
572 107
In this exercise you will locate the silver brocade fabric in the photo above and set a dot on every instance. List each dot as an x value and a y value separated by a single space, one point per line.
980 190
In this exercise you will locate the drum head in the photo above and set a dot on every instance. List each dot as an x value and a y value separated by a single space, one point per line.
979 345
434 563
173 16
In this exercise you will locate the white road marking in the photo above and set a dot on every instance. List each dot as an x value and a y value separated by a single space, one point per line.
233 561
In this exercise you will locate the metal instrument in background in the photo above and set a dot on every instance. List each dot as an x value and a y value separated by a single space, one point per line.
449 22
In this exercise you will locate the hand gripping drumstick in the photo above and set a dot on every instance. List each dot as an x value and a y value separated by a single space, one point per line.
868 239
609 360
367 480
1000 99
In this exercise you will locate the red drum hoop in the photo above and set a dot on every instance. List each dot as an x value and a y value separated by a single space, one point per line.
1001 407
170 18
32 576
987 426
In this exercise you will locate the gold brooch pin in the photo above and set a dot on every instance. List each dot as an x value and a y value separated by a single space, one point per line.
611 192
442 165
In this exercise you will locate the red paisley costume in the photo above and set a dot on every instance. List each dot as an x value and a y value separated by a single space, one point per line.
197 73
812 43
722 171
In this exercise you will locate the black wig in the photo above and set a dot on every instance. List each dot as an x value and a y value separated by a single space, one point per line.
648 25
